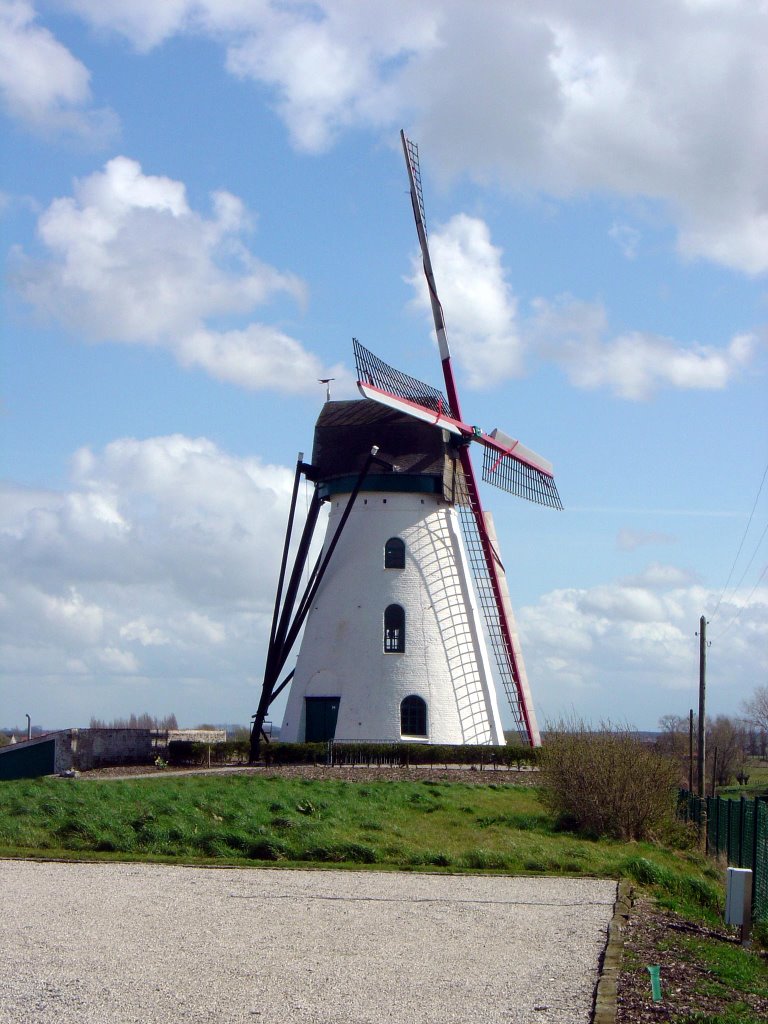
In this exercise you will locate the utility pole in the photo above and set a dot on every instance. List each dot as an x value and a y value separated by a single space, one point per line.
700 781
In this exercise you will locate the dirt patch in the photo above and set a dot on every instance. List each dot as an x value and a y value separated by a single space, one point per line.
657 936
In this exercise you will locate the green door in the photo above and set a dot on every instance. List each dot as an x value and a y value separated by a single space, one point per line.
322 713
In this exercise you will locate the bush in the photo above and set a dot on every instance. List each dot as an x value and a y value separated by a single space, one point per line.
186 752
607 781
295 753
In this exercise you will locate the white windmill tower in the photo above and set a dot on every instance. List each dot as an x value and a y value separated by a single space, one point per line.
409 592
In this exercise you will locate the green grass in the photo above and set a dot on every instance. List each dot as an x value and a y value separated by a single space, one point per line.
738 1013
729 967
405 825
757 771
724 972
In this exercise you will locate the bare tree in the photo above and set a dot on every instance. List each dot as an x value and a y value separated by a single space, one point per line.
756 708
726 737
142 721
673 735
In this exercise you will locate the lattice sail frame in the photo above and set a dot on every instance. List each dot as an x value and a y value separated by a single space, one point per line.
507 464
504 657
516 477
372 370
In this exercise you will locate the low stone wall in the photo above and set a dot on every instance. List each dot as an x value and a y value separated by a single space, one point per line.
96 748
84 749
197 735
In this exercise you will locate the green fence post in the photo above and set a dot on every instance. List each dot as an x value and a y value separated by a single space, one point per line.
707 807
760 864
720 828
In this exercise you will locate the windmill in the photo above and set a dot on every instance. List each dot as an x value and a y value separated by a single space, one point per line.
402 605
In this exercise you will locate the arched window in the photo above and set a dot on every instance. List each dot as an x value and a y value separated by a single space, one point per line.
394 554
394 629
413 717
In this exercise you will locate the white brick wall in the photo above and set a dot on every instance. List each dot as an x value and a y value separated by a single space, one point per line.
445 660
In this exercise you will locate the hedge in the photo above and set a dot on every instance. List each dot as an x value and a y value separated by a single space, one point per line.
396 754
186 752
404 754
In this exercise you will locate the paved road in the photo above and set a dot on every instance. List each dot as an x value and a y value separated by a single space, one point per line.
120 943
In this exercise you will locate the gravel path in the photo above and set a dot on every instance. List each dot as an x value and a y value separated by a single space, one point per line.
120 943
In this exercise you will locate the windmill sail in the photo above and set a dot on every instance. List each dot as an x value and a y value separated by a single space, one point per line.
372 370
411 151
507 463
524 481
493 593
530 481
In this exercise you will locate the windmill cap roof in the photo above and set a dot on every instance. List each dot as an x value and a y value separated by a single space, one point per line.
346 431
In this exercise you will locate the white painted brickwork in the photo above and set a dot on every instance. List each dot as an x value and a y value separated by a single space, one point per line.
445 660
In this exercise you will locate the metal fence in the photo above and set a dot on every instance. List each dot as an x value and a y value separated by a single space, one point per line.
738 831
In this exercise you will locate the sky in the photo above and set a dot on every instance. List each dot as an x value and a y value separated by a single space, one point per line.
204 201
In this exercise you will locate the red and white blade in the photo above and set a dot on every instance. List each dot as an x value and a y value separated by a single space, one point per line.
506 445
405 405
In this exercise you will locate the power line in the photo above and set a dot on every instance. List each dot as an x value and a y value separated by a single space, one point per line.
749 563
741 545
749 598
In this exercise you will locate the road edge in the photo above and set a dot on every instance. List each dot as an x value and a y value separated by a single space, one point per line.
605 1006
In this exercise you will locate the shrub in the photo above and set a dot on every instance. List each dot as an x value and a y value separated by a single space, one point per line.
189 752
295 753
607 781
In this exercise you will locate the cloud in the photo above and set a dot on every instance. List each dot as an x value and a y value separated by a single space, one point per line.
259 357
658 576
626 237
667 102
633 365
491 340
155 567
626 650
144 23
41 83
480 309
127 259
631 540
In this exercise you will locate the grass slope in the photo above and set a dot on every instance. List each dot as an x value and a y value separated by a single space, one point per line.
405 825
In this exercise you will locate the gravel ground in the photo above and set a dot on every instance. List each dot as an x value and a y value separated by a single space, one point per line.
120 943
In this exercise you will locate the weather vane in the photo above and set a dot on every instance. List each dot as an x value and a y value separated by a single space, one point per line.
327 382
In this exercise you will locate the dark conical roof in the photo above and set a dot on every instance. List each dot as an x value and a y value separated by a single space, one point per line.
346 432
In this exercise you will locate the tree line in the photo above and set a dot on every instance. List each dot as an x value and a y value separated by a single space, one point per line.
729 741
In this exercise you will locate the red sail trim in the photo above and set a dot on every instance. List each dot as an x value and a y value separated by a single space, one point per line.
452 423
